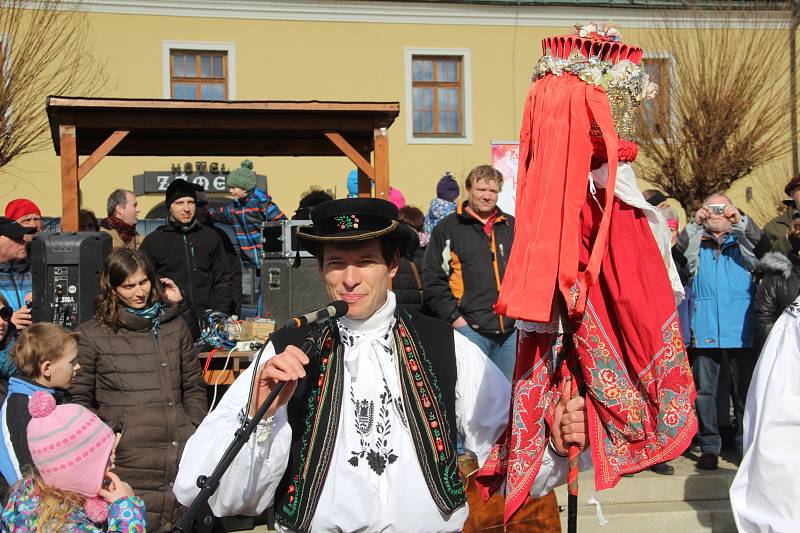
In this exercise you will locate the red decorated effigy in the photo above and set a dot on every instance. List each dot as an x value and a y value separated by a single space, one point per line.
590 277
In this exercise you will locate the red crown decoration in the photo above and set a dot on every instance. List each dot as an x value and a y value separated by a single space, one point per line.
562 46
596 54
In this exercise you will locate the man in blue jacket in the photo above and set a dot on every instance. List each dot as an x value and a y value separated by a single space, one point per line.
720 249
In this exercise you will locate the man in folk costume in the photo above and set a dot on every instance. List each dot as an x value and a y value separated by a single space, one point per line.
363 437
590 278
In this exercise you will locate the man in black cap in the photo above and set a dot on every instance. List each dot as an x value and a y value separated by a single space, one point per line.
190 254
363 436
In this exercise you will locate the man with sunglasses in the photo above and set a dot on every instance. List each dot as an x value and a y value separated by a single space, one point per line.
15 279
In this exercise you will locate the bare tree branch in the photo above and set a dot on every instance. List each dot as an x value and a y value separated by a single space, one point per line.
728 111
44 49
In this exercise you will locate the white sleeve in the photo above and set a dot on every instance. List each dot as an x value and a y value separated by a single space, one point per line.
765 491
483 398
554 470
248 487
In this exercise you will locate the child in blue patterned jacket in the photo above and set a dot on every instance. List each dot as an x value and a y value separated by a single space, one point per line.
250 207
72 488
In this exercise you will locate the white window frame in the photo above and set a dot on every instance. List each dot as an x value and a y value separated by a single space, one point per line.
166 52
671 75
466 85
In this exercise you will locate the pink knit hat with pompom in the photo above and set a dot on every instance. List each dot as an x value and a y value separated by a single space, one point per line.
70 447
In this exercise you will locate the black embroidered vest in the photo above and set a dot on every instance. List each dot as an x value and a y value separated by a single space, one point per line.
426 358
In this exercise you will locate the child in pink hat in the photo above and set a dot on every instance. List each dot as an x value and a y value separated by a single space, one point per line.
73 451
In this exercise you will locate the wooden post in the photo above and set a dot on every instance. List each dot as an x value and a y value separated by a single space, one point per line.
381 164
364 185
69 178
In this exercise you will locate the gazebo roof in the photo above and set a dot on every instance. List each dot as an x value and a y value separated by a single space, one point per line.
96 127
185 128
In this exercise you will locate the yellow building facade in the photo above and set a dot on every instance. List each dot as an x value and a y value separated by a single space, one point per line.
315 50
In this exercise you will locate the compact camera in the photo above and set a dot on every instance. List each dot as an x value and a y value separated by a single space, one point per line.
717 209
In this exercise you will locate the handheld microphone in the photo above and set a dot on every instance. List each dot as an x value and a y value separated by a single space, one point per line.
334 309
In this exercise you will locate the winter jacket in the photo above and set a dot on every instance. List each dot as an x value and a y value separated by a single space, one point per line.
779 287
7 366
233 267
463 270
14 418
15 282
21 514
722 286
148 385
246 216
407 283
194 258
436 212
776 230
117 242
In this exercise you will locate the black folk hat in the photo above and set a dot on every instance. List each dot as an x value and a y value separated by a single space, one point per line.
354 220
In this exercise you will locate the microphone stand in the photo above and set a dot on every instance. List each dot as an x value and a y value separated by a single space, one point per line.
209 484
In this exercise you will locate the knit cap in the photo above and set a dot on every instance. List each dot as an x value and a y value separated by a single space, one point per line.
397 198
16 209
70 447
243 177
447 188
180 188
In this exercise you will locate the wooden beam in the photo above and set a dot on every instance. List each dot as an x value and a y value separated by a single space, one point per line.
364 185
381 158
69 178
101 151
351 153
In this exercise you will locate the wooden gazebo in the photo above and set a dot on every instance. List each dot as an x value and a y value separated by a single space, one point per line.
97 127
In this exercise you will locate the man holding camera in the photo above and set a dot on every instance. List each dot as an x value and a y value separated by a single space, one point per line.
720 249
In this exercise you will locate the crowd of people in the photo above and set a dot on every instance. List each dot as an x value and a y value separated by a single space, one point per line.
132 372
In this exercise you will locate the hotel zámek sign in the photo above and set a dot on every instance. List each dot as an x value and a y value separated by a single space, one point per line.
211 176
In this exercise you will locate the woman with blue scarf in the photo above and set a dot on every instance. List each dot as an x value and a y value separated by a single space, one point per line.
140 373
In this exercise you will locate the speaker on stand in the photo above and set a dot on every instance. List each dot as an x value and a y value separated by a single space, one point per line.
65 271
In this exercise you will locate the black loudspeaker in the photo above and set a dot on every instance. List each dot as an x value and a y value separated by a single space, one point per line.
65 270
288 291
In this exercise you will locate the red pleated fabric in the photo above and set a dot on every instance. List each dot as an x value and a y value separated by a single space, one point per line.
554 164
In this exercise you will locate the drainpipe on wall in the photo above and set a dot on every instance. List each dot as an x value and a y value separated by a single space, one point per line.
793 84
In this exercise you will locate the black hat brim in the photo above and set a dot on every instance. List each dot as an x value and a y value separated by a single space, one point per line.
405 236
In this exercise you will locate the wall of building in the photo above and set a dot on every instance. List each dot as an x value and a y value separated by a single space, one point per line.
318 60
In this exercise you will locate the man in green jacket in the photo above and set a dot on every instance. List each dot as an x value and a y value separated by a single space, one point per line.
777 229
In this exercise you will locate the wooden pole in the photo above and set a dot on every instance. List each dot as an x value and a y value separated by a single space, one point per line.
69 178
364 185
381 164
793 86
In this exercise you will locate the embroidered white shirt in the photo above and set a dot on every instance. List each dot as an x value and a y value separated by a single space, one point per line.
375 482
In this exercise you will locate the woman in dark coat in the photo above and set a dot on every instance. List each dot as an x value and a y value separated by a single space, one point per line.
140 374
779 286
407 283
